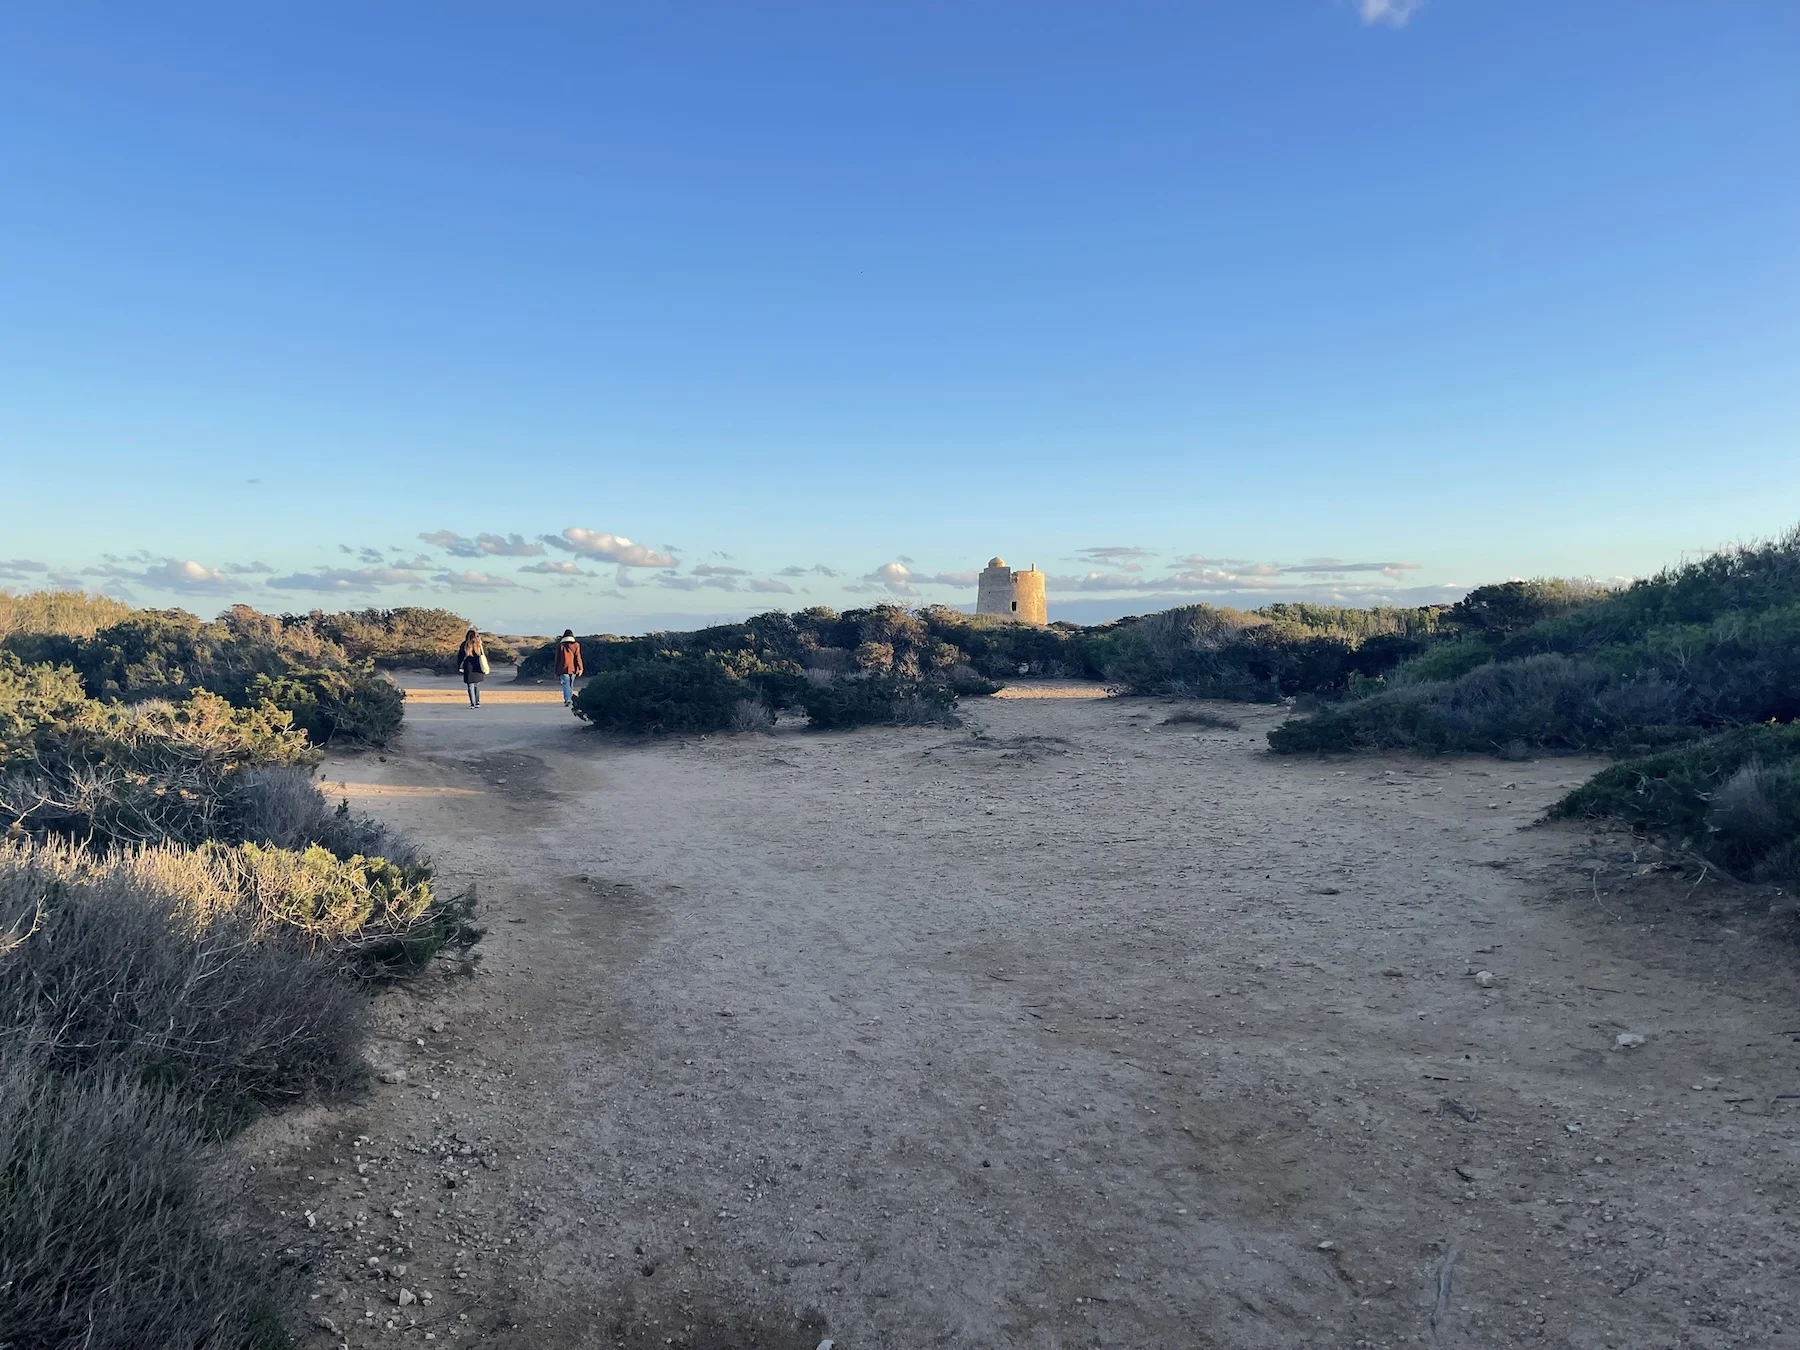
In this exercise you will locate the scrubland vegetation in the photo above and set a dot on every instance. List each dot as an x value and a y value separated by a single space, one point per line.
1691 676
187 929
1652 669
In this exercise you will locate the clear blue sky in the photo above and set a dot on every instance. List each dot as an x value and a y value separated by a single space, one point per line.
1445 292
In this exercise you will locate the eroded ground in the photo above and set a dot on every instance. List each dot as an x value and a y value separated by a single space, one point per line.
1066 1029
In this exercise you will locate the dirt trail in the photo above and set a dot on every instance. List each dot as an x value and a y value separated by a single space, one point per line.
1066 1029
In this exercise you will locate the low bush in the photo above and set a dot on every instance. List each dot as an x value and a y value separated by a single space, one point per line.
751 716
280 805
333 704
1733 798
117 976
410 637
244 657
966 682
1552 701
367 917
878 699
125 773
109 1238
681 694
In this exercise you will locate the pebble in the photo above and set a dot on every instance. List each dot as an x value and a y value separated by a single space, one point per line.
1485 978
1626 1039
405 1296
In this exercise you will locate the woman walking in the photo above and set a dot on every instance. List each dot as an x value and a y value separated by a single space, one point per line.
473 662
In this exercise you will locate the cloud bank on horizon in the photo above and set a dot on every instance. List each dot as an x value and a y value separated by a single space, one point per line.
605 568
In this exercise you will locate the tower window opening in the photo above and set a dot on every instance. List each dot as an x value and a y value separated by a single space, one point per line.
1015 604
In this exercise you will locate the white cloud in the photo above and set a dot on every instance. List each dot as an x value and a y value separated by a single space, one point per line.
1393 13
182 575
346 579
475 581
612 547
553 568
896 578
1128 557
1197 573
483 545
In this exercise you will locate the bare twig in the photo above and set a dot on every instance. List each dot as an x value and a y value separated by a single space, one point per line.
1443 1277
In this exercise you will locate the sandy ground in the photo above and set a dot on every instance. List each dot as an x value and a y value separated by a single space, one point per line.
1065 1029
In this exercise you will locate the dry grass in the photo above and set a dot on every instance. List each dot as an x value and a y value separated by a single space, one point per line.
369 915
108 1239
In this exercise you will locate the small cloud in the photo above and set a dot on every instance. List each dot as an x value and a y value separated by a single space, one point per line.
340 580
474 581
676 583
483 545
895 578
181 575
611 547
1334 566
249 569
21 569
1393 13
817 569
374 557
1127 556
550 567
708 570
770 587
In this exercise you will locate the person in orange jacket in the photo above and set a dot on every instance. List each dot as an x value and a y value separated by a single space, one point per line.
568 664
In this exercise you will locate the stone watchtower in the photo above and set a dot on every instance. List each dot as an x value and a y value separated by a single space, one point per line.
1018 596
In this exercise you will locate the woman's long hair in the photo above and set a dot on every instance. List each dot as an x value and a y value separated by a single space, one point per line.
470 644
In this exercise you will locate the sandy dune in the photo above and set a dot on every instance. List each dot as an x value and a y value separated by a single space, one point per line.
1066 1029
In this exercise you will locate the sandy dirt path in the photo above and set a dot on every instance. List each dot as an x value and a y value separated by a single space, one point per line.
1065 1029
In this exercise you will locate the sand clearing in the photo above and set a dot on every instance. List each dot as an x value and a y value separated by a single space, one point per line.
1066 1029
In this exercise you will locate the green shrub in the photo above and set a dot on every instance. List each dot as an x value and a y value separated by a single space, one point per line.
1550 701
1733 798
682 694
409 637
244 657
967 682
125 773
1698 648
878 699
328 704
1513 606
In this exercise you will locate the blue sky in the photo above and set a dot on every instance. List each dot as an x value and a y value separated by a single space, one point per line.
623 315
